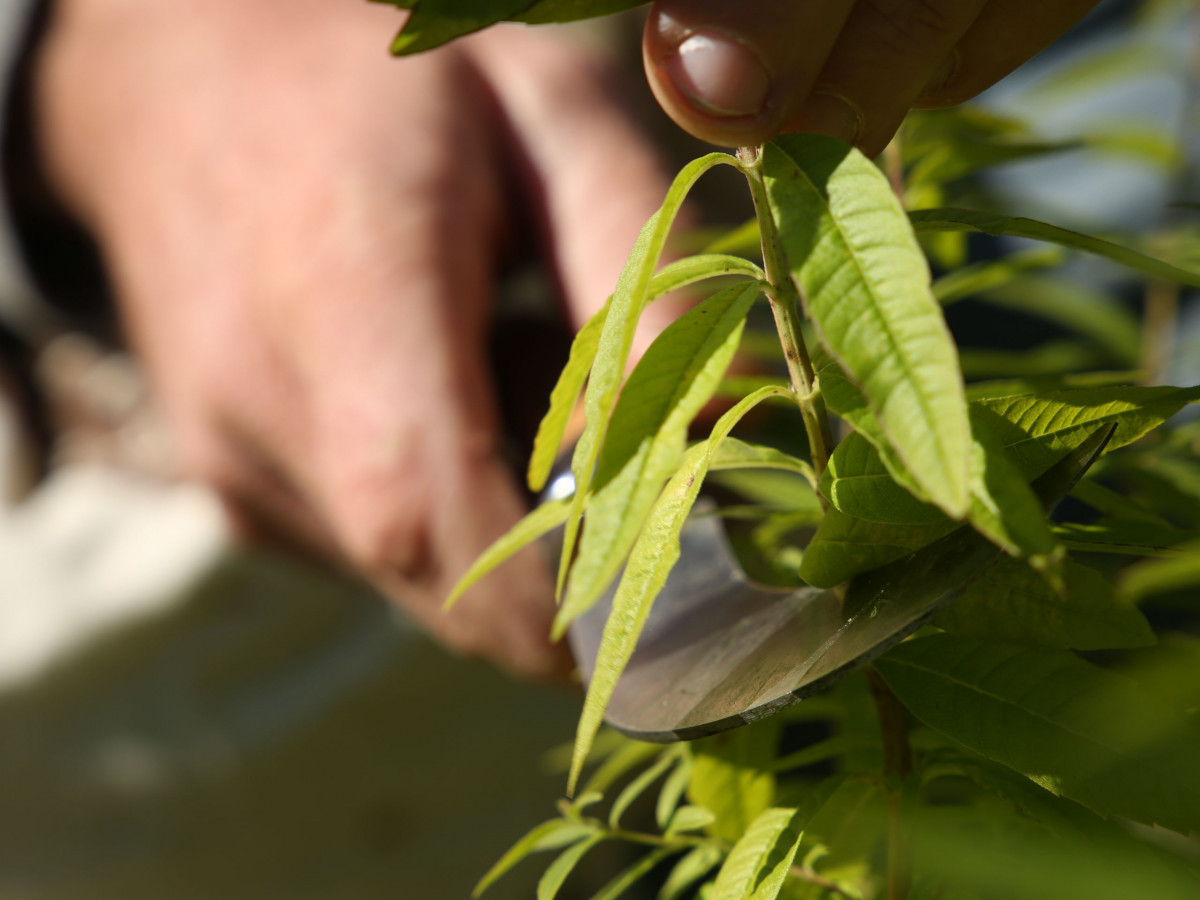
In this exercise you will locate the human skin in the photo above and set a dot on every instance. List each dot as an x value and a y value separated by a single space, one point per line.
737 73
304 234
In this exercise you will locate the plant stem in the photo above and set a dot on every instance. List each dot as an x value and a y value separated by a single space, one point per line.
1158 325
897 762
785 307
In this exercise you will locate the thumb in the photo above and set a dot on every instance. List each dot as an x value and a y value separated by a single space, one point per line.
735 73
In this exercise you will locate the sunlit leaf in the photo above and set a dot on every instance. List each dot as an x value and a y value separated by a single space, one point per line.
866 289
571 379
690 818
556 873
638 786
616 339
672 791
758 863
550 835
689 870
844 546
630 755
650 562
732 777
648 434
635 873
538 522
1160 576
1035 430
1076 729
1010 602
951 219
974 279
736 454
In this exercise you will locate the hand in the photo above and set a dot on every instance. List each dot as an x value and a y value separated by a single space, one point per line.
303 235
737 73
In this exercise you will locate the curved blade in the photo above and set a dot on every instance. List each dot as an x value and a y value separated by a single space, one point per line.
720 651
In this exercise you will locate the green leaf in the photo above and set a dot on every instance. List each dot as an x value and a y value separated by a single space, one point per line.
736 454
648 433
538 522
974 279
758 863
1075 729
842 837
556 873
1159 576
1036 429
434 22
563 398
627 879
650 562
672 791
672 277
689 870
616 339
631 755
845 546
638 786
690 818
950 219
1011 602
549 835
732 777
866 289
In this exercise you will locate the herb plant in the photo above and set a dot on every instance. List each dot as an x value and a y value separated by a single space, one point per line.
1040 739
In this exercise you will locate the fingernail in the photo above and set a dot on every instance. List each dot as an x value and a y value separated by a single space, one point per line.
832 114
719 75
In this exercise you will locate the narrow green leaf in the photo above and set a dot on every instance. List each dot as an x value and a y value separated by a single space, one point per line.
951 219
538 522
616 339
690 818
866 289
1179 573
650 562
631 755
556 873
758 863
689 870
736 454
974 279
567 390
549 437
638 786
672 791
732 777
549 835
671 383
1075 729
1010 602
631 876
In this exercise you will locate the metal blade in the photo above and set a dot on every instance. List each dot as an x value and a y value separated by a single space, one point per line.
719 650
